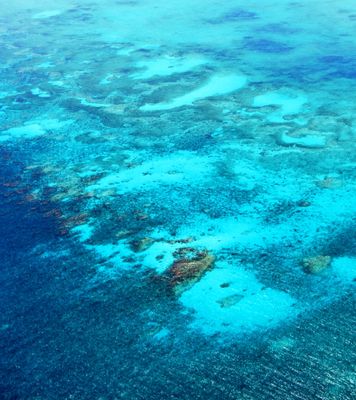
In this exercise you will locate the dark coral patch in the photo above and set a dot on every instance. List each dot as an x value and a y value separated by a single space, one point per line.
234 15
279 29
267 46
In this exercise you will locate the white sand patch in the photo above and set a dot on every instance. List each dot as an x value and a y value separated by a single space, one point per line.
57 83
45 65
179 168
166 66
289 103
159 256
28 131
255 307
33 129
246 233
94 104
125 51
106 250
54 123
334 205
4 94
216 234
345 268
218 85
40 93
48 14
307 141
108 79
83 231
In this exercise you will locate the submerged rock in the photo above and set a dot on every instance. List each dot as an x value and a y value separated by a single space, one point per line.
316 265
141 244
303 203
185 272
230 301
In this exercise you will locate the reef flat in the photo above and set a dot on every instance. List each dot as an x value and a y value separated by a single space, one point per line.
178 200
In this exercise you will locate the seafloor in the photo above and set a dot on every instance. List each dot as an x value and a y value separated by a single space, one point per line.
178 199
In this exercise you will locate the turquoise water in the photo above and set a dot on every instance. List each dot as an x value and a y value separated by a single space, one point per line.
178 199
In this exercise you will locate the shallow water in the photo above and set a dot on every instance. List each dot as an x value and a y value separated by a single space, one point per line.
177 199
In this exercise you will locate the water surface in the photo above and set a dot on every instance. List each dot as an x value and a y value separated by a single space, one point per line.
177 199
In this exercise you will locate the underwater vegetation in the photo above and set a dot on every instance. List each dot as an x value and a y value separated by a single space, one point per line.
178 204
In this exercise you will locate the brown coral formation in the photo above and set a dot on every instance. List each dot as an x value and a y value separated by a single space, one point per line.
186 271
75 220
316 265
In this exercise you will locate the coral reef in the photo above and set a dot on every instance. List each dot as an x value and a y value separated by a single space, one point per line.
316 265
188 270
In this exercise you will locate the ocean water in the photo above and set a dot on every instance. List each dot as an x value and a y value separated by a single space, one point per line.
178 199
